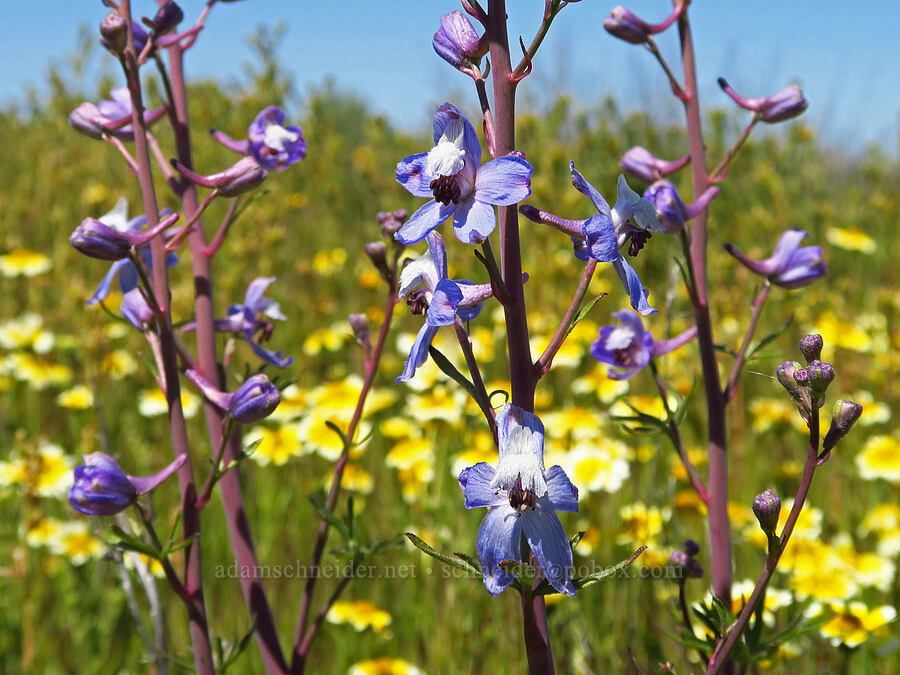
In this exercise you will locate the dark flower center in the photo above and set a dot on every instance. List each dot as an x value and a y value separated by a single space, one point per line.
623 356
445 189
520 498
418 303
638 239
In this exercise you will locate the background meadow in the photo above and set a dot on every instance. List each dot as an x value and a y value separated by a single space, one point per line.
74 380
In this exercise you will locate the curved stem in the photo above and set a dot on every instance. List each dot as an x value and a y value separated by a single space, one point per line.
756 309
484 401
718 174
300 649
545 360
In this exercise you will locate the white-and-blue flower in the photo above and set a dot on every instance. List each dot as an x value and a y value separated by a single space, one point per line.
451 174
522 499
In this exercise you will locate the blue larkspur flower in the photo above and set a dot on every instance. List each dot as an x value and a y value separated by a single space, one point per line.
452 175
611 228
439 298
629 347
522 499
249 320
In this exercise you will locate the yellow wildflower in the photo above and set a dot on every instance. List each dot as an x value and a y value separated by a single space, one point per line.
23 262
276 445
330 261
75 541
26 332
79 397
38 372
119 364
854 623
360 614
384 666
851 239
880 458
598 383
152 402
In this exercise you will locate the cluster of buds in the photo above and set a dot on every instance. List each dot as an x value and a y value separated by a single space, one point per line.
686 561
807 386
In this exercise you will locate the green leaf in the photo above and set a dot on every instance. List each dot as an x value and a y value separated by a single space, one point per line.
517 567
450 371
443 557
174 548
318 502
577 537
336 429
584 311
609 571
128 542
769 338
234 651
687 640
473 563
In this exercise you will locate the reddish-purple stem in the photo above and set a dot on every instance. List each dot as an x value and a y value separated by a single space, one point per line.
545 360
190 517
719 528
755 311
521 371
300 649
230 483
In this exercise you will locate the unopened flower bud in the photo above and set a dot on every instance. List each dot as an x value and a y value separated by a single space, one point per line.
691 547
167 17
377 253
780 106
254 400
811 347
114 32
670 208
101 488
457 42
360 325
786 374
136 309
391 222
843 417
767 508
643 165
818 376
679 559
242 176
625 25
96 240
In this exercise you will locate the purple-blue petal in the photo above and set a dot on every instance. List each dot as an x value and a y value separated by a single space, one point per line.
475 483
410 174
471 144
103 289
548 542
438 250
277 359
589 191
498 540
255 292
601 238
424 220
561 494
474 221
503 181
468 312
444 301
418 353
633 285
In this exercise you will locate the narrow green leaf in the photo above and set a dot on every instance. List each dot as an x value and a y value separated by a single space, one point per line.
318 502
450 370
336 429
584 311
577 537
609 571
181 544
473 562
769 338
443 557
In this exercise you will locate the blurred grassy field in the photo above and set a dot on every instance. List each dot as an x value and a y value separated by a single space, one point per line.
67 613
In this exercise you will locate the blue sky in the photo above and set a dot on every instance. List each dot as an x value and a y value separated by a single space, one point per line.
843 55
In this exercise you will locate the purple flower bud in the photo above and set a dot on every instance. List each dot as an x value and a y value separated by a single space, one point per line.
391 222
96 240
691 547
101 488
111 117
790 265
254 400
114 26
167 17
679 559
114 32
456 40
766 508
811 347
818 376
783 105
843 417
786 374
377 253
360 325
640 163
625 25
670 209
245 174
